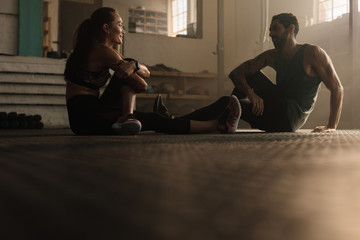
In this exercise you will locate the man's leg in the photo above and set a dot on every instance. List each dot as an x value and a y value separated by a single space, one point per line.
226 122
262 86
210 112
274 118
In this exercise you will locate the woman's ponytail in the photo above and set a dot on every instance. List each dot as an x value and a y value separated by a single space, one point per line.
87 35
83 35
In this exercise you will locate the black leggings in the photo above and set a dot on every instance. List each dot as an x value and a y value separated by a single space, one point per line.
274 118
89 116
155 122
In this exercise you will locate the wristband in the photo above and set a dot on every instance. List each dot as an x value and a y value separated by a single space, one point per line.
129 59
137 64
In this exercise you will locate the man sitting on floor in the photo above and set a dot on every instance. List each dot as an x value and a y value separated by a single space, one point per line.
300 68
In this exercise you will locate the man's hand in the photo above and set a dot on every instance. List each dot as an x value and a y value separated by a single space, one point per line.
257 103
320 65
323 129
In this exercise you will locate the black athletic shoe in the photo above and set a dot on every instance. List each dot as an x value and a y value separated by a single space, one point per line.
160 108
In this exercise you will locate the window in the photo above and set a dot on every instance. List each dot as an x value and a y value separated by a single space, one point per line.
173 18
329 10
179 17
184 18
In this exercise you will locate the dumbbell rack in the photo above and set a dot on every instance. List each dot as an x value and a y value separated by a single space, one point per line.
31 86
14 120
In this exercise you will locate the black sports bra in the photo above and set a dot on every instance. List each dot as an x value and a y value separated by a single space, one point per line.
93 80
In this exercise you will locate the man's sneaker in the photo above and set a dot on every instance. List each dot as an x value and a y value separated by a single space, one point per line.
128 126
230 117
160 108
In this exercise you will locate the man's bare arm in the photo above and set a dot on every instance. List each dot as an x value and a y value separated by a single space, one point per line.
325 70
248 68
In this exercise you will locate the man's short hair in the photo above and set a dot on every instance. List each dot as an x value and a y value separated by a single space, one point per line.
287 19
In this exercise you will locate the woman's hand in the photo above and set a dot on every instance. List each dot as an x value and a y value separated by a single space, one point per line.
124 68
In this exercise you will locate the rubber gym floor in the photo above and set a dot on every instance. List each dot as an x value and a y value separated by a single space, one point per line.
249 185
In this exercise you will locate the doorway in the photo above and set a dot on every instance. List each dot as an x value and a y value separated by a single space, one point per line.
72 13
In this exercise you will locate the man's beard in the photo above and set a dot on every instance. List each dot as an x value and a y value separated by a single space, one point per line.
280 43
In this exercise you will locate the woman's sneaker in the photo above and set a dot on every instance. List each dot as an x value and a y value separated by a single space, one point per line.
127 126
230 117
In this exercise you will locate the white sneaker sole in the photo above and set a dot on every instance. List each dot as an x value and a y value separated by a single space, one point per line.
235 104
127 128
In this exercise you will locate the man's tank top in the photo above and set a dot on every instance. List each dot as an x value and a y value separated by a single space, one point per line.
299 88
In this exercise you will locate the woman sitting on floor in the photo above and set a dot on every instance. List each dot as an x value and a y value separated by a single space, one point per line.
87 70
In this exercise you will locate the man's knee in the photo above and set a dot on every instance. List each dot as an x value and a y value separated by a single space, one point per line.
239 94
223 100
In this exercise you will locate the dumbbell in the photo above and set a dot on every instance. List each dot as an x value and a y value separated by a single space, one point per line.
14 124
12 116
29 118
34 121
21 118
39 125
14 121
4 124
3 116
37 118
3 120
31 124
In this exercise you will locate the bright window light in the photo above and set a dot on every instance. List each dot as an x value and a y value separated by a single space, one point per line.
330 10
179 17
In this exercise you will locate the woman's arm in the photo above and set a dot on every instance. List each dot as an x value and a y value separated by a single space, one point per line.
134 80
105 57
141 69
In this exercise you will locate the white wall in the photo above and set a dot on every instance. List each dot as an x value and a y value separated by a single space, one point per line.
188 55
242 34
9 10
54 15
242 31
9 6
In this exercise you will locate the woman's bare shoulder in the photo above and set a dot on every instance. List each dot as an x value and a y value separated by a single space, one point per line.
104 56
106 52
